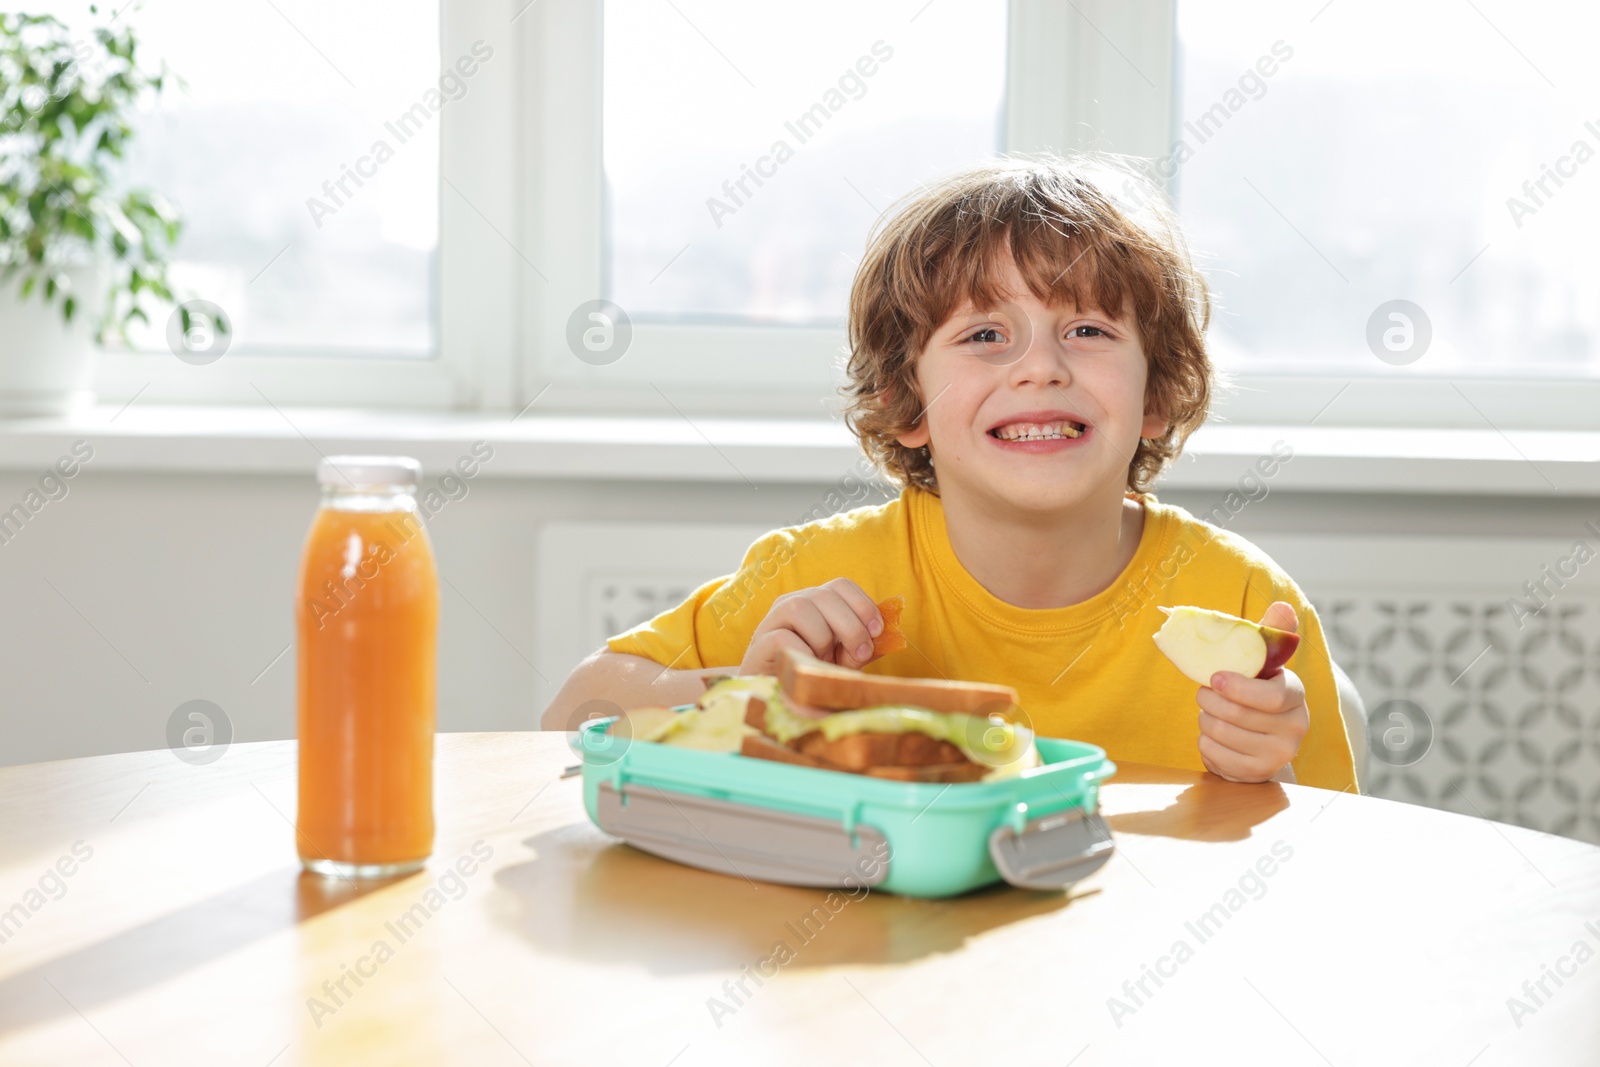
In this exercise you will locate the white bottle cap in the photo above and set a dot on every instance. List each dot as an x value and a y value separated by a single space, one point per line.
359 472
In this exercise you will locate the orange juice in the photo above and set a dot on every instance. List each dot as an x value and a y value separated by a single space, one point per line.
366 616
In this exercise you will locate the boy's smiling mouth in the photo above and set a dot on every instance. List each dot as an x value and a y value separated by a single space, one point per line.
1039 426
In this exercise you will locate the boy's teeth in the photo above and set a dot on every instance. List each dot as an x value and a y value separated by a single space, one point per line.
1037 431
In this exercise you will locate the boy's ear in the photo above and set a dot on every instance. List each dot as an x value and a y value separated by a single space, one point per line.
1155 425
914 438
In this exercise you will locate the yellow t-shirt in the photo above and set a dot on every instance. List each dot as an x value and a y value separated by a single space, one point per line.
1088 671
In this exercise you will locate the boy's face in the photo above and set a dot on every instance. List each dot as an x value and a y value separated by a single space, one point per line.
1003 387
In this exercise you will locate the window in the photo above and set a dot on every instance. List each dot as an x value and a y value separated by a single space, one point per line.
306 176
303 256
1439 153
647 127
611 152
745 157
348 183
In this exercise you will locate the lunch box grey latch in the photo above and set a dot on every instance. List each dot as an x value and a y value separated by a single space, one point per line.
743 840
1052 851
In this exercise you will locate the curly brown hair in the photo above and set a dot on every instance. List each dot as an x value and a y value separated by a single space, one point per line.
1073 245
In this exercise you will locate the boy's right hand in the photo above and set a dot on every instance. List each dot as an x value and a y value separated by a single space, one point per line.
835 622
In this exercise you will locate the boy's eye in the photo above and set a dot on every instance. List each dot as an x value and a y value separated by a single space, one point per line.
986 336
1094 331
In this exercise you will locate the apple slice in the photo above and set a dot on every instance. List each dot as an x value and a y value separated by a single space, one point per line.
1200 642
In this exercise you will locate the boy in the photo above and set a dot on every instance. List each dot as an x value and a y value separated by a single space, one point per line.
1025 358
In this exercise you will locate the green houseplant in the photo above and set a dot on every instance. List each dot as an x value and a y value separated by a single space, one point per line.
72 239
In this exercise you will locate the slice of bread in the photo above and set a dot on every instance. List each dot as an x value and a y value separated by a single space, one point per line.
808 680
966 771
861 752
764 747
755 714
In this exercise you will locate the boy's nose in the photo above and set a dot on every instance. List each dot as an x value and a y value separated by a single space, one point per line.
1040 359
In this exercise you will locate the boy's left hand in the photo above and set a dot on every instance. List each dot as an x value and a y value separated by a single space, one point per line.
1250 728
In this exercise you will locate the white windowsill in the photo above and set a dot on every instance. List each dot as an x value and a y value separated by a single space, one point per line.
260 440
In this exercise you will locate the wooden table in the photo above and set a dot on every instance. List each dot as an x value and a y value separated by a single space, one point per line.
1342 930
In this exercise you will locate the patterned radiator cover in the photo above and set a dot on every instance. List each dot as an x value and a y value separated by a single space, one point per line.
1478 660
1469 713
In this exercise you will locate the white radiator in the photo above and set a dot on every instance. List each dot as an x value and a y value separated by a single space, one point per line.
1428 631
597 579
1473 708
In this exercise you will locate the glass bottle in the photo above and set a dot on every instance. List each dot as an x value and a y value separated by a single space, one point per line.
366 622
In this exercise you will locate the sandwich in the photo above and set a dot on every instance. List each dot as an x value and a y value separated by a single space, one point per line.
908 729
819 715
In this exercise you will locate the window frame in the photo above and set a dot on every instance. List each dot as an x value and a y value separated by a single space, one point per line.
686 365
521 245
472 366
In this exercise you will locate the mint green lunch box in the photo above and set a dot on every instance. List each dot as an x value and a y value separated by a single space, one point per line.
795 825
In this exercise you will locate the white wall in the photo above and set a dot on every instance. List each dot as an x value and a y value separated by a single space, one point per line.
185 584
186 580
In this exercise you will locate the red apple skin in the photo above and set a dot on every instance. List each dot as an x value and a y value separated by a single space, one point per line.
1280 646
